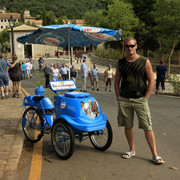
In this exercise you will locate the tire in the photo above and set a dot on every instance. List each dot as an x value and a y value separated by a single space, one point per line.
32 128
102 139
62 138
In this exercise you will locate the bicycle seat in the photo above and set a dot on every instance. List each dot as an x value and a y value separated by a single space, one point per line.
37 98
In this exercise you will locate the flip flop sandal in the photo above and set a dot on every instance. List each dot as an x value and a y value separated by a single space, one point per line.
128 155
158 160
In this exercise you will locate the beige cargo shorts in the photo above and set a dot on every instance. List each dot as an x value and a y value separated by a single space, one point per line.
126 109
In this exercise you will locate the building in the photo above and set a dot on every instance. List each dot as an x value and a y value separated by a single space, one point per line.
4 23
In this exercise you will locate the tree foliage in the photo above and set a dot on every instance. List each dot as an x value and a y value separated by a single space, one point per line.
167 18
71 9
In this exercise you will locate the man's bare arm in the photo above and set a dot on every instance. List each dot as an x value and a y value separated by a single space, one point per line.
150 78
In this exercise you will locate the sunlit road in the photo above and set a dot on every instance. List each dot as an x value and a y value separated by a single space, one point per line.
88 164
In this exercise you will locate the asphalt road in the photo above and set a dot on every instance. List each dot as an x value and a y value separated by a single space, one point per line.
88 164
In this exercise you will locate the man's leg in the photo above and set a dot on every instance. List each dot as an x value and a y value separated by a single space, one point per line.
97 85
2 90
130 138
157 85
149 134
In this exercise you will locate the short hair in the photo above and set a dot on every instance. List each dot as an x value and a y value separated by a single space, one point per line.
129 39
14 57
1 55
161 62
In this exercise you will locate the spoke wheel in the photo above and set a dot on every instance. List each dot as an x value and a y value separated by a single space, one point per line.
62 138
32 124
102 139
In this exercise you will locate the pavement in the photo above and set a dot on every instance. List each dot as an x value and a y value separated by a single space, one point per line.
11 134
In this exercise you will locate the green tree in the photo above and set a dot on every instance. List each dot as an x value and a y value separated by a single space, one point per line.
50 18
92 18
60 20
21 17
121 16
44 20
167 17
144 32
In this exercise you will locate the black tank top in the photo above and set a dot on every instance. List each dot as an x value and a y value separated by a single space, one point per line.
133 77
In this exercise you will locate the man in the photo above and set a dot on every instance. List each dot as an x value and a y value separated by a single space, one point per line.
4 78
64 72
161 73
47 72
84 74
133 71
40 61
94 75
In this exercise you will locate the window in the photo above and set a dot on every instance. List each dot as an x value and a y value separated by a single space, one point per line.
1 20
1 27
5 20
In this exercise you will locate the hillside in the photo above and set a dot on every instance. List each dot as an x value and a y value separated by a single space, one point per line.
70 8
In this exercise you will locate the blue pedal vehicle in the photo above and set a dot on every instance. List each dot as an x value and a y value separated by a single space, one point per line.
78 116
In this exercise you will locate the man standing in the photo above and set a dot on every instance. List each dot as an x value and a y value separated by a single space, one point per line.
64 72
84 74
47 71
4 78
133 71
161 73
94 75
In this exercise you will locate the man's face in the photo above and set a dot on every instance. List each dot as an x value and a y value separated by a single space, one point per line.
130 47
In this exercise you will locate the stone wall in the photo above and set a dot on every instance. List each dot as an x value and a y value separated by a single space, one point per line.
105 62
102 61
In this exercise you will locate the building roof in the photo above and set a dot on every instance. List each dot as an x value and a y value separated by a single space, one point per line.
78 21
24 28
37 22
8 15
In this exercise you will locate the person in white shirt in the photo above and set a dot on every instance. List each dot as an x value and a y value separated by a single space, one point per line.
28 69
64 71
55 73
94 75
109 77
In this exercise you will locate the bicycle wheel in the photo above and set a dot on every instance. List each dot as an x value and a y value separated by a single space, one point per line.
62 138
102 139
32 124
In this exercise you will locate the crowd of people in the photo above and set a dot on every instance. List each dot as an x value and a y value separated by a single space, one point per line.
17 72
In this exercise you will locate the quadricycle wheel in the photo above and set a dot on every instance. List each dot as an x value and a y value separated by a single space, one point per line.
32 124
62 138
102 139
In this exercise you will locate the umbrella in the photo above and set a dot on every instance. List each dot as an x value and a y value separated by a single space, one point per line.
70 35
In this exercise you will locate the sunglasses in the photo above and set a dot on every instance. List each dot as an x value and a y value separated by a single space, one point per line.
130 46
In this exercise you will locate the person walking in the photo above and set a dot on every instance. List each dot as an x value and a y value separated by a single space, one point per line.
4 77
64 72
161 74
28 69
132 74
94 76
16 77
108 78
24 69
74 73
47 72
84 75
40 61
